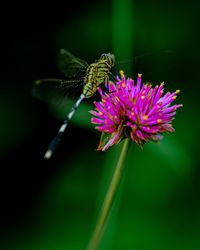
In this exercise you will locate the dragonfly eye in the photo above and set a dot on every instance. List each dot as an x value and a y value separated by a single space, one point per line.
104 56
110 58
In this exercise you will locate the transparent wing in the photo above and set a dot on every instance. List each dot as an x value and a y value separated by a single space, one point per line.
56 90
71 66
154 65
158 62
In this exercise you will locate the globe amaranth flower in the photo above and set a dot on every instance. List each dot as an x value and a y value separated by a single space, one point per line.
134 110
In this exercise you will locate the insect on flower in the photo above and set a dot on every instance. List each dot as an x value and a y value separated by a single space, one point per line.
77 73
135 110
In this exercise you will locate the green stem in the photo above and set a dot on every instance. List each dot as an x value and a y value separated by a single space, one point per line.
109 198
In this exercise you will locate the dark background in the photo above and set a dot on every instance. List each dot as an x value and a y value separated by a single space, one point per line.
53 204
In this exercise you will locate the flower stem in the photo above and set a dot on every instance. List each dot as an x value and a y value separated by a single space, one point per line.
109 198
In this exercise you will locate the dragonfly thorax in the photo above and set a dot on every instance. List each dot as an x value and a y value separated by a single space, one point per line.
97 73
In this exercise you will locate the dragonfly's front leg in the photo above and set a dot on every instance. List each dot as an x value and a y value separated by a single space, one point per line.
106 85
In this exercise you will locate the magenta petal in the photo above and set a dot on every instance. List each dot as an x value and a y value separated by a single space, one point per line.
97 121
145 110
95 113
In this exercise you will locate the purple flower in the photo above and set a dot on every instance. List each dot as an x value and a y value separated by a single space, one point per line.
138 111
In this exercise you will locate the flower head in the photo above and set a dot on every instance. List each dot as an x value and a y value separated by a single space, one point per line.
134 110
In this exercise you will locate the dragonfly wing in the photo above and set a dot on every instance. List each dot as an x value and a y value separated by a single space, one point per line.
56 90
71 66
155 65
156 62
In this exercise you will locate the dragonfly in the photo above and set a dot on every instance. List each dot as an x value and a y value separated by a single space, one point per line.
77 72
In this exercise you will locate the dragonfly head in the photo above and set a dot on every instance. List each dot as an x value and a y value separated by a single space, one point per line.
109 58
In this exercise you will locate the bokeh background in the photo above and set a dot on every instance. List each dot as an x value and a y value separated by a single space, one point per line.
54 204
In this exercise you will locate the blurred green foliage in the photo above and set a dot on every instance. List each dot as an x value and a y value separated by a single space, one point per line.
55 205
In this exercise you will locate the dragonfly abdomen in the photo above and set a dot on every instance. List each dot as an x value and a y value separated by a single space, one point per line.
54 143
